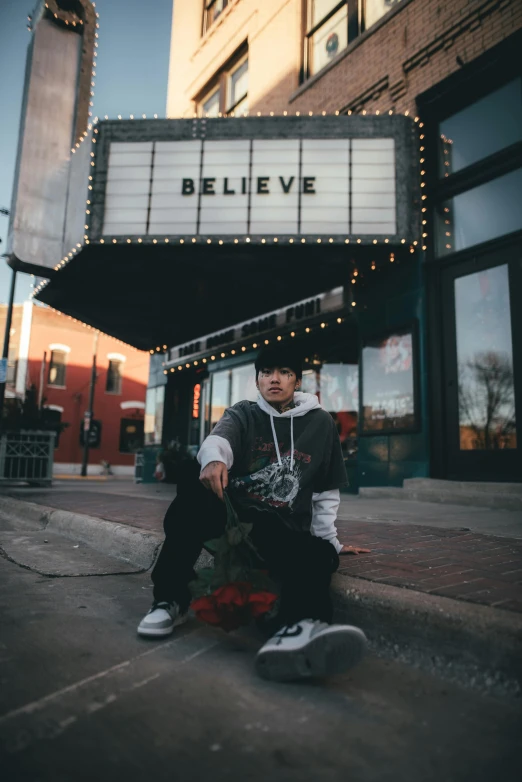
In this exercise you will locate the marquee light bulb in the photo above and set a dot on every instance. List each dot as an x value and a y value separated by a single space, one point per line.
292 333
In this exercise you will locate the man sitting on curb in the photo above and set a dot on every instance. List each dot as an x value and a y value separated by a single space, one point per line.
280 460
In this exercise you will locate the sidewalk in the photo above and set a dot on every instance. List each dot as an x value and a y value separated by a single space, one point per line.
431 548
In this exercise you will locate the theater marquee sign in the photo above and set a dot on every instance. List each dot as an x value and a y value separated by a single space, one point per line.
251 186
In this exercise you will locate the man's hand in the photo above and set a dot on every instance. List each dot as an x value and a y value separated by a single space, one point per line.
354 550
215 477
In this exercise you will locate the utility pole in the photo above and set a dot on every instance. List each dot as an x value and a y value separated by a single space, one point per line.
7 334
42 380
89 413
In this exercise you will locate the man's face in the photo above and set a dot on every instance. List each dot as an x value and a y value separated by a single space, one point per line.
277 385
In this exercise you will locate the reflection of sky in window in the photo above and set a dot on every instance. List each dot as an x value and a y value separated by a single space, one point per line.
485 127
482 313
490 210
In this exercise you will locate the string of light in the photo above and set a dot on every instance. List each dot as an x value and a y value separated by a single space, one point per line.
244 348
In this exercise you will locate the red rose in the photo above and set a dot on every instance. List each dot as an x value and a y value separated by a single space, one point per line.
232 594
206 610
261 602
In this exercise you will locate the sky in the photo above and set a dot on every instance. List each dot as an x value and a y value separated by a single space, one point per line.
131 78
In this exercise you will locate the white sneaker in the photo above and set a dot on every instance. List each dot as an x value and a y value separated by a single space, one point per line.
162 618
309 649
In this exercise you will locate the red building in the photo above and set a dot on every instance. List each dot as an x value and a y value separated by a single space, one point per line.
54 353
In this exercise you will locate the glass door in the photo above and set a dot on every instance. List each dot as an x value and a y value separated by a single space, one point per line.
482 357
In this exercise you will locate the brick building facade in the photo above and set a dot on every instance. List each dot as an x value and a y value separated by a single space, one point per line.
453 66
53 353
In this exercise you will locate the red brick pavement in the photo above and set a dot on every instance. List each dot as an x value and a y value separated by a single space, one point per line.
451 562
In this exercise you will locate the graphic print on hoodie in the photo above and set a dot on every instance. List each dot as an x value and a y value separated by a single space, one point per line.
281 459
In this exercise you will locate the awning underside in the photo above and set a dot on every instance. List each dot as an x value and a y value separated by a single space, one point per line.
153 296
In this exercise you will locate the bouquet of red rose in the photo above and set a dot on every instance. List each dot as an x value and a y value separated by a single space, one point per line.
236 590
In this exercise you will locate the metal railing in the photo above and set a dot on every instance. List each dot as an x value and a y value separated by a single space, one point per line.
27 456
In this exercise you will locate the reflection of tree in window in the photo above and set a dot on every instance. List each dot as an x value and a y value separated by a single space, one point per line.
487 402
57 368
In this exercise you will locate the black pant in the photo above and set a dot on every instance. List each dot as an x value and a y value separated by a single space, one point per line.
302 563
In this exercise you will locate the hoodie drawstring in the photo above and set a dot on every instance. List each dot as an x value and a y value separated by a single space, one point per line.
280 463
292 444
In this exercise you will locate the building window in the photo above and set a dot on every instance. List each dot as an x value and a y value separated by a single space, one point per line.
375 9
213 10
114 377
57 367
332 25
154 404
131 435
479 186
211 106
238 88
487 126
227 93
480 214
328 33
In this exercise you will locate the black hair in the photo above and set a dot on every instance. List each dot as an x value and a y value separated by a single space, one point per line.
279 356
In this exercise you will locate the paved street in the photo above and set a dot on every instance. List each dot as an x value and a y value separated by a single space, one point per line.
82 697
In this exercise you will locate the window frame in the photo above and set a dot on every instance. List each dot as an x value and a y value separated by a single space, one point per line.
220 83
64 365
119 363
207 7
441 188
311 31
237 65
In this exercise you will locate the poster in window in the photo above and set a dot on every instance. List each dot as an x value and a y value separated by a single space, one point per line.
389 398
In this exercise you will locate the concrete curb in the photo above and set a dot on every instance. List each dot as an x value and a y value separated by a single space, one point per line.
462 642
471 644
117 540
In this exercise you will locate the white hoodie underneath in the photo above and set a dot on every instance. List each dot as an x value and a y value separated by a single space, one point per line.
325 505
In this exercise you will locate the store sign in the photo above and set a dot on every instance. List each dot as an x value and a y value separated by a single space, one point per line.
261 187
286 316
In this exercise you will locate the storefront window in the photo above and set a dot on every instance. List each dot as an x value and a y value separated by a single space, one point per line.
336 384
388 376
487 126
154 404
485 361
244 384
220 396
480 214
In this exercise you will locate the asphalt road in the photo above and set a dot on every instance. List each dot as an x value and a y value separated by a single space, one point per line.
83 698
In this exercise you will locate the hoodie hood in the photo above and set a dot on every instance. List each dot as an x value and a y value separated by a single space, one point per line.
303 404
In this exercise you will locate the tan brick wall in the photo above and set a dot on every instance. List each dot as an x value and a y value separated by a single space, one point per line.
387 68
